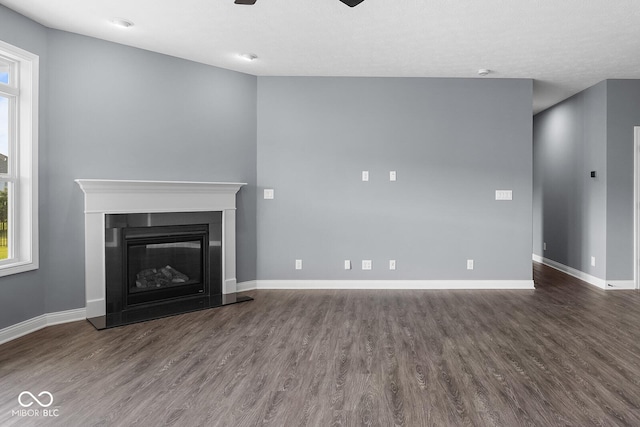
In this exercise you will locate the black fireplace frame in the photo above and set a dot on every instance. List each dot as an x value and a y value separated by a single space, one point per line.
120 228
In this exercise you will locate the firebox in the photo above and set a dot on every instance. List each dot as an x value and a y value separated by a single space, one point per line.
162 263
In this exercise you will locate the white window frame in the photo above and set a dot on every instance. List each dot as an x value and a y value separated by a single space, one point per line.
22 92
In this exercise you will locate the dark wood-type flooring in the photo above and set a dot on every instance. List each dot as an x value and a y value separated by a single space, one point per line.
564 354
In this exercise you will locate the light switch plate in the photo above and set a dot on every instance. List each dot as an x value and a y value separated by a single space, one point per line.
268 193
365 175
392 175
392 264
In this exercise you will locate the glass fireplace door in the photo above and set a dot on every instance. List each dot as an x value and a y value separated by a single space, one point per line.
164 262
162 265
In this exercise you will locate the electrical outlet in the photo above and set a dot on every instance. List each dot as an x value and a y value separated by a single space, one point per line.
365 175
347 264
544 246
392 176
469 264
593 261
366 264
392 264
298 264
268 193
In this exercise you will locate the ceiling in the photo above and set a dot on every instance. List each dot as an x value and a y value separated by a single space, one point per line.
565 46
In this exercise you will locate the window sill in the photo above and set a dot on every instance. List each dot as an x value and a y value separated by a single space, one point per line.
17 267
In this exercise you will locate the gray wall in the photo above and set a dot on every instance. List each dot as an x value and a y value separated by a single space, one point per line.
111 111
453 142
570 207
623 113
22 296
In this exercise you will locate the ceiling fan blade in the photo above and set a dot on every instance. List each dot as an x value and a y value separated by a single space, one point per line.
245 2
352 3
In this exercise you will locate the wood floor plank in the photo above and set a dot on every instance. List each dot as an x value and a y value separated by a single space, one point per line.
564 354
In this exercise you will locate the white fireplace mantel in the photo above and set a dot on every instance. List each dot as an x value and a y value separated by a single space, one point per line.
102 196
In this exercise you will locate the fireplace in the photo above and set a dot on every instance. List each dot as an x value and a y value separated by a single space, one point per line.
156 248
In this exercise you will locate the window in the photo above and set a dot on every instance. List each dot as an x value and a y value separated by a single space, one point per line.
18 160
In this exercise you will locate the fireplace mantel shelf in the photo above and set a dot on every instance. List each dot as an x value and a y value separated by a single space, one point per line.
111 185
130 196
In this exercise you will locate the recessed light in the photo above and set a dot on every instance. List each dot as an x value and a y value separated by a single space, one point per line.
121 22
249 56
483 72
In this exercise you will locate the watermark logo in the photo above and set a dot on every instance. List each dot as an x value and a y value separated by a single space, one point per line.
44 399
28 393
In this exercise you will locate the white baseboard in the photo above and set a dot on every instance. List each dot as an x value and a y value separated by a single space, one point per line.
385 284
37 323
592 280
621 285
246 286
